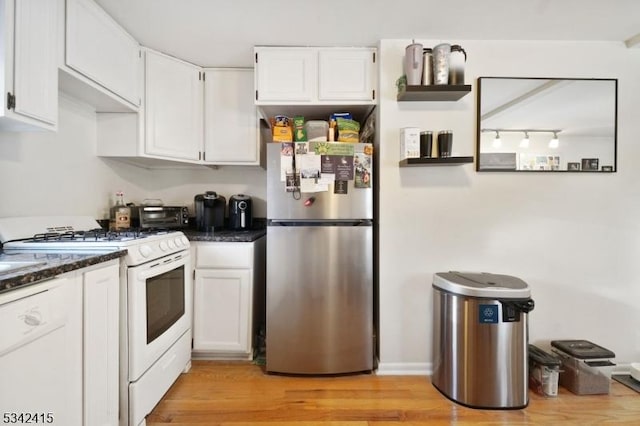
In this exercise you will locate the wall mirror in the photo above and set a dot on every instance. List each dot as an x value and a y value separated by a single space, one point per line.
547 124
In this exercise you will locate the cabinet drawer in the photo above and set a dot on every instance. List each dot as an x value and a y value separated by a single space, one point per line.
224 255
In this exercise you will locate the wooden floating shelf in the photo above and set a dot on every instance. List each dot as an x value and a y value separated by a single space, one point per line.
447 161
434 92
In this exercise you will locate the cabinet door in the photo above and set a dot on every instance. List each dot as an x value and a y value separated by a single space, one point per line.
346 74
173 107
30 70
287 74
230 117
222 311
100 49
41 352
101 301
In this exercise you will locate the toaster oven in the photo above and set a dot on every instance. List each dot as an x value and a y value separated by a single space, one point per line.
169 217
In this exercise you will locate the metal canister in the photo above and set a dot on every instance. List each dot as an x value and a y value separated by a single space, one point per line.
441 54
457 59
427 67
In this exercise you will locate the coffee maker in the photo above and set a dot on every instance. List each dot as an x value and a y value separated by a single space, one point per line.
240 215
210 209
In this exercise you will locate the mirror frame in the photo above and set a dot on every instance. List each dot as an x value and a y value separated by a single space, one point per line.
480 129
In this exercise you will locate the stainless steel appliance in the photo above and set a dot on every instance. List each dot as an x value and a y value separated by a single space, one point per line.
161 217
480 339
319 277
240 212
155 299
210 209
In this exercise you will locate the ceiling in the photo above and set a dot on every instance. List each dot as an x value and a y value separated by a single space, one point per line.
216 33
583 108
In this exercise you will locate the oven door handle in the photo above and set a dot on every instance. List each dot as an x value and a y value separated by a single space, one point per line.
161 266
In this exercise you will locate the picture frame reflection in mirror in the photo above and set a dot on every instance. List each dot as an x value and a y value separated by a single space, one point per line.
590 164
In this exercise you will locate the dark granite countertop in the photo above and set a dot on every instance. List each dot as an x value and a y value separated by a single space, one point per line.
226 235
49 264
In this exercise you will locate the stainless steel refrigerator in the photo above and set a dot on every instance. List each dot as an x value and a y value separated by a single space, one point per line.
319 276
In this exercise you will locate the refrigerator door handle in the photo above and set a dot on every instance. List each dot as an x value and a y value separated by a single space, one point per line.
312 222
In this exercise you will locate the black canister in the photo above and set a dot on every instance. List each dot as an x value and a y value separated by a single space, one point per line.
445 141
426 142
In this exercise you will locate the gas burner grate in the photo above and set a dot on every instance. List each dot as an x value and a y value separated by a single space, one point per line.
97 235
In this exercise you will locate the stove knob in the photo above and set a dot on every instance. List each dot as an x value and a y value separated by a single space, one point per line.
185 240
145 250
178 242
172 245
163 245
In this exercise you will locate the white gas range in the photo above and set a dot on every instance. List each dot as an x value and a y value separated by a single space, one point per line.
155 299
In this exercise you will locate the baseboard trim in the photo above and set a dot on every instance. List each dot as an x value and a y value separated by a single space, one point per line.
404 369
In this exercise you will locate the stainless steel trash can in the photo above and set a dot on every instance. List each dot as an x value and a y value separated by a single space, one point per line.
480 339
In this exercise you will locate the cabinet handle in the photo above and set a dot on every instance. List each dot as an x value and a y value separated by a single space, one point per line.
33 318
11 101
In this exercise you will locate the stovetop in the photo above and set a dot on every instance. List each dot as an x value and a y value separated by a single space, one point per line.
95 235
84 233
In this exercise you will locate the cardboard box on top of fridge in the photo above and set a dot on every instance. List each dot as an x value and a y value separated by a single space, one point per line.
409 142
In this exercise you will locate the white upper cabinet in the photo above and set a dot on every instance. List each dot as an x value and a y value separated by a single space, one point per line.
28 73
346 75
312 75
101 50
285 74
173 108
230 118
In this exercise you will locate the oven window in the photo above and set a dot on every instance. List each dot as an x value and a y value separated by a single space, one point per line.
165 302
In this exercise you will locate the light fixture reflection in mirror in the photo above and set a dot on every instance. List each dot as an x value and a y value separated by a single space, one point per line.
524 143
497 142
554 142
530 115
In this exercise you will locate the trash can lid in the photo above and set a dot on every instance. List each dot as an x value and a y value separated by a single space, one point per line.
543 358
582 349
482 284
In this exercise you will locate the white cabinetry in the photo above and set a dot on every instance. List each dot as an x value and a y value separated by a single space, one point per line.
228 297
285 74
28 72
101 301
59 348
346 75
315 75
99 49
173 108
41 352
230 118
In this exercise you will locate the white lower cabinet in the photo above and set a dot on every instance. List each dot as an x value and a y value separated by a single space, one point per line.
228 298
59 349
41 353
101 301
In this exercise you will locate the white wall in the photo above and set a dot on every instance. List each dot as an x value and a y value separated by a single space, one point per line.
574 238
44 173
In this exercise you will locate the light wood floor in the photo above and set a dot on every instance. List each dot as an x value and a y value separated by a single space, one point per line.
239 393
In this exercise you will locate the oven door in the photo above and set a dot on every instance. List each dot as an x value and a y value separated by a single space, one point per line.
159 309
